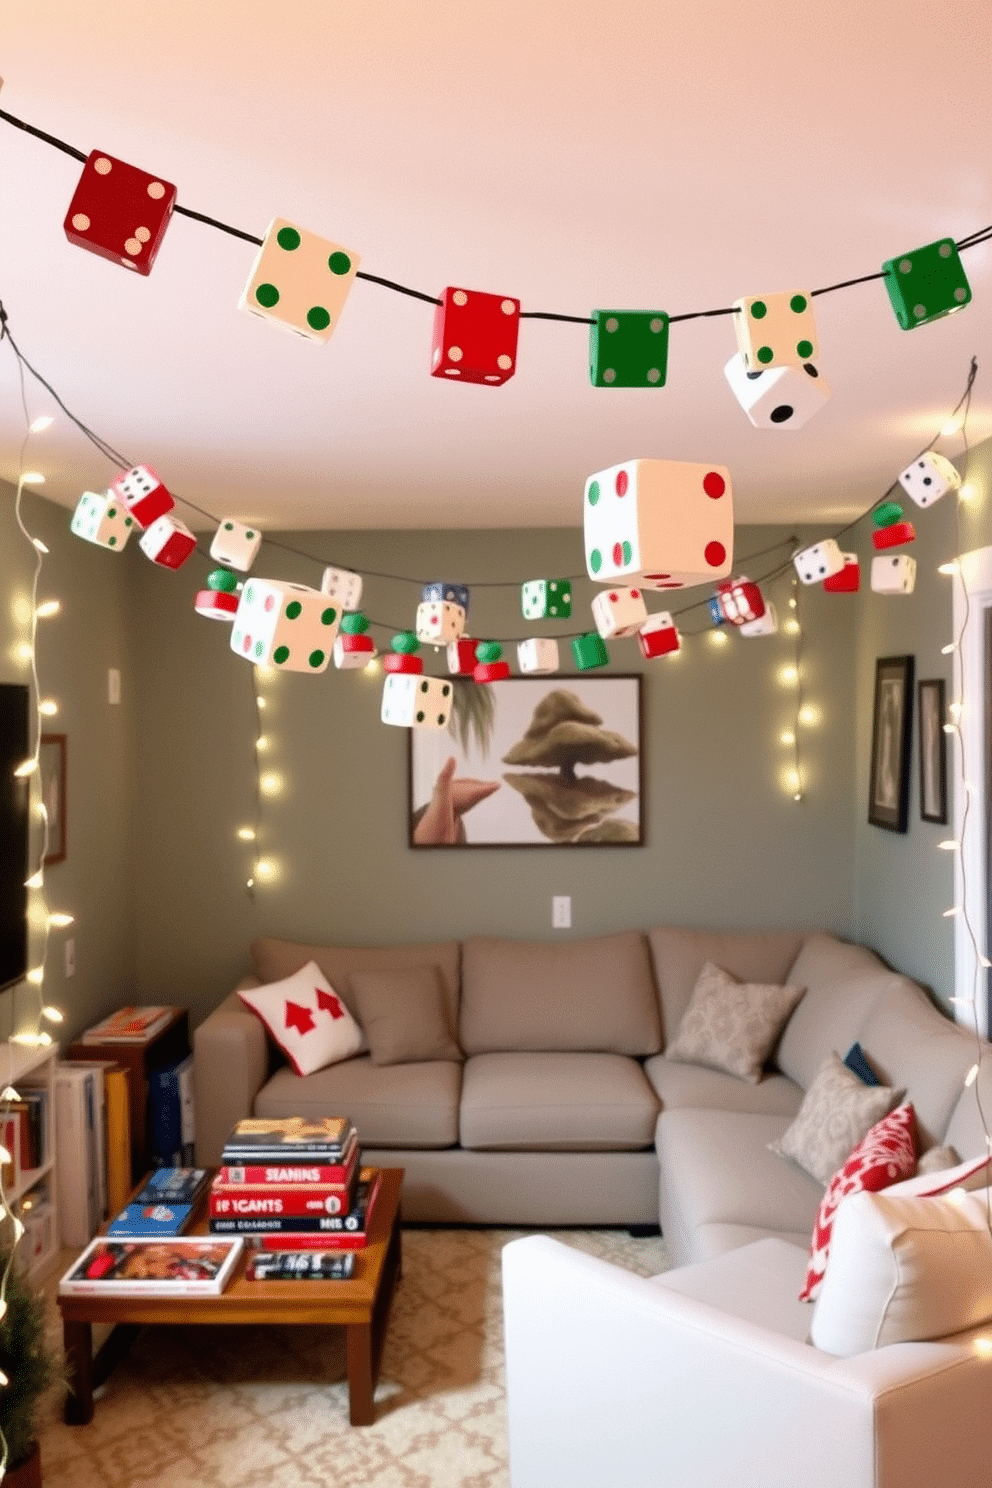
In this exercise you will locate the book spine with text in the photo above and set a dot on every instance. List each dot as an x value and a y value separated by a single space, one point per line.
342 1240
274 1200
284 1171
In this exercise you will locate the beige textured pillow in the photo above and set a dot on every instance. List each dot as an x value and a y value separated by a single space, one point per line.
837 1110
404 1016
730 1025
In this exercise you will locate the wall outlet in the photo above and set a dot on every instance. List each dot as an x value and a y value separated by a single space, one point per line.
113 685
70 958
561 911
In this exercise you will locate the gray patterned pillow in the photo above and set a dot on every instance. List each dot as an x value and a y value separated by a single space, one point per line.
838 1109
730 1025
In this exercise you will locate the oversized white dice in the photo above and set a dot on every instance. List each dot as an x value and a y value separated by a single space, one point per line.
538 654
344 586
619 612
439 621
929 478
764 624
103 520
167 542
299 281
893 574
235 544
776 330
416 701
780 398
663 524
816 563
285 625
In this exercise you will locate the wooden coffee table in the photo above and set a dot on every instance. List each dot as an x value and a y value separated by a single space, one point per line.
360 1304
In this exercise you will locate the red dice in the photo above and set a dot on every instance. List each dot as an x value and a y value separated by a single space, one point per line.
894 535
475 336
402 661
658 636
216 604
144 495
848 581
119 212
461 656
491 671
740 601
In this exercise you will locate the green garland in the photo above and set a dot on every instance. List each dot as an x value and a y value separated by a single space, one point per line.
28 1360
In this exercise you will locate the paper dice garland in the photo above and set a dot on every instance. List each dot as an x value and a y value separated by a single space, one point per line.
537 655
103 520
819 562
354 647
167 542
143 493
895 575
285 625
662 524
343 586
776 330
926 284
441 589
847 580
461 656
740 601
299 281
439 621
628 348
546 599
119 212
413 701
235 544
475 336
589 651
779 398
658 636
618 612
929 478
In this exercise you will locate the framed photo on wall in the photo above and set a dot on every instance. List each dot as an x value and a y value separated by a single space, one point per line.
933 752
891 736
51 767
531 762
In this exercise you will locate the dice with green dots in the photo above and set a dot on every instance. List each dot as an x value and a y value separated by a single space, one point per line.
288 626
235 544
777 330
927 283
546 599
410 701
628 348
299 281
103 520
663 524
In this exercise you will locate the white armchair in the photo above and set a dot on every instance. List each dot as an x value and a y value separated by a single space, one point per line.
702 1378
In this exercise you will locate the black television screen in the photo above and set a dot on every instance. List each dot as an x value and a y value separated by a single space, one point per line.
15 793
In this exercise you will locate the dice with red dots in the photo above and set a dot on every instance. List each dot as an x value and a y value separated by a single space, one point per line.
658 636
461 656
167 542
144 495
288 626
439 621
619 612
893 536
119 212
475 336
662 523
538 654
848 579
776 330
818 562
740 601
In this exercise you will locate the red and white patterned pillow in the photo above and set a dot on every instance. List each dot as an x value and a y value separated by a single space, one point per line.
884 1155
307 1019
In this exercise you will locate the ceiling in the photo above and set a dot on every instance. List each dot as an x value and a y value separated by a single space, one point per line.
635 153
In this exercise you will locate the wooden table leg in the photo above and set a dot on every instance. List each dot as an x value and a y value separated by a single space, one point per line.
360 1382
78 1340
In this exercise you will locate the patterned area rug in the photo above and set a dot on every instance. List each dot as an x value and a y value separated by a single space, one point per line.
268 1407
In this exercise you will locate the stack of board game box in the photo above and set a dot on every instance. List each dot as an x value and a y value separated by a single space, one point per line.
295 1188
164 1205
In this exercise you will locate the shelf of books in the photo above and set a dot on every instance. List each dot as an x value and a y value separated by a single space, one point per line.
27 1132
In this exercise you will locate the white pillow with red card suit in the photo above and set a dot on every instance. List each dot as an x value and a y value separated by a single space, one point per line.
306 1018
883 1156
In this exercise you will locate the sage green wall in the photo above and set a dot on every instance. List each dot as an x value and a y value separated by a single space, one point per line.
726 845
903 883
74 650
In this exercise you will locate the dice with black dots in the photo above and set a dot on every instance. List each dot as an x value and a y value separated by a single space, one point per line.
780 398
410 701
929 478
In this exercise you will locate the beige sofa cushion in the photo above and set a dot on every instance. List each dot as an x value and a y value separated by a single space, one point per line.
394 1105
275 959
966 1129
692 1085
679 955
593 995
731 1025
403 1015
829 1016
838 1110
556 1102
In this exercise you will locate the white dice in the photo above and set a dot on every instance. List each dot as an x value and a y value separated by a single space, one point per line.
929 478
776 330
780 398
893 574
546 599
663 524
103 520
299 281
285 625
439 621
344 586
411 700
619 612
765 624
235 544
167 542
819 562
538 654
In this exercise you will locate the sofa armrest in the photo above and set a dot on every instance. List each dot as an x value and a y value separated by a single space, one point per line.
612 1378
230 1066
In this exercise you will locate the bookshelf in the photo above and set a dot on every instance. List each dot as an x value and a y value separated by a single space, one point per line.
32 1190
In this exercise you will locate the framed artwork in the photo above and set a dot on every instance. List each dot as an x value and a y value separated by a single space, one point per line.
888 795
51 767
933 752
531 762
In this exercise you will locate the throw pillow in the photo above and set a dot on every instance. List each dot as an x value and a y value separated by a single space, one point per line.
836 1112
886 1154
857 1062
970 1175
404 1015
936 1159
904 1268
730 1025
306 1018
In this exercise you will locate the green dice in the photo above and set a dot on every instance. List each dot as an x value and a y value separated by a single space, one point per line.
546 599
926 283
589 651
628 348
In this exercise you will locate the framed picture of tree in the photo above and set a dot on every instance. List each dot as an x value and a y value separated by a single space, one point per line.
532 762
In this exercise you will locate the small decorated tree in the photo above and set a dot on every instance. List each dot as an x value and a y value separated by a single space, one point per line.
30 1364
